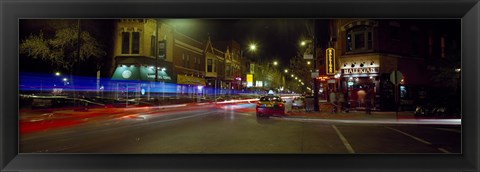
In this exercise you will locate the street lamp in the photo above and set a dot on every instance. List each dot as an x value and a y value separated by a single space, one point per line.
57 73
275 63
308 62
286 70
252 47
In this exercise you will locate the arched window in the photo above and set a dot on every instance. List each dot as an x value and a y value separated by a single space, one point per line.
359 38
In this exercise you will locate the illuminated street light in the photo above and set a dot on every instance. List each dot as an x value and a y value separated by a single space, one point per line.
65 79
275 63
286 70
253 47
57 73
308 62
292 75
303 43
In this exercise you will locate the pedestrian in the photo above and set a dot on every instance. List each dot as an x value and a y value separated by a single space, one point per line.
333 100
341 100
368 102
347 101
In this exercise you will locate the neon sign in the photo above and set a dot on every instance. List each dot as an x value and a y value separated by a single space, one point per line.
330 61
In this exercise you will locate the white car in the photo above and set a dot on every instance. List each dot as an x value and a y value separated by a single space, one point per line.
298 103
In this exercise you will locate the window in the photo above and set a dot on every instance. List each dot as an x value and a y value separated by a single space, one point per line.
198 64
442 47
125 42
209 65
183 59
227 70
135 42
415 43
161 49
395 33
359 38
188 61
152 45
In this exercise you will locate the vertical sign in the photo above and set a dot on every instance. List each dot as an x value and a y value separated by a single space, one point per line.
249 80
330 61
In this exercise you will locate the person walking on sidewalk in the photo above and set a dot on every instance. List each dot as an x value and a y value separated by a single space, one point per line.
347 101
368 102
333 100
341 100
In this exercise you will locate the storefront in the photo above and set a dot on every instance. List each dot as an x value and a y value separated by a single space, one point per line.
190 86
360 80
141 81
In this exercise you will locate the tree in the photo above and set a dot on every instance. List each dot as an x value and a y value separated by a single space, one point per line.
446 74
300 69
60 46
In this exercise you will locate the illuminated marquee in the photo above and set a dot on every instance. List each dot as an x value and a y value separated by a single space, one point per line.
365 70
330 61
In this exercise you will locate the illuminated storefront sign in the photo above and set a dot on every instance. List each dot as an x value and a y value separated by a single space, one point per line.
330 61
366 70
323 78
190 80
249 80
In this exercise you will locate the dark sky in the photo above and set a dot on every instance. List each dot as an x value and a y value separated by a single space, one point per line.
276 39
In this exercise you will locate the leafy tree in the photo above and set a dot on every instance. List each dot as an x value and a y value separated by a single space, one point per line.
60 47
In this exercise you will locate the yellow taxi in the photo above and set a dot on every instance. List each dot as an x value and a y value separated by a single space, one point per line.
270 105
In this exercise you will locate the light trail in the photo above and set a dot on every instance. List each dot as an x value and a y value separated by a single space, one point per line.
384 121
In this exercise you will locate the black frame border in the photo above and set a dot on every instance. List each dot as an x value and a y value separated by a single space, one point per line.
12 10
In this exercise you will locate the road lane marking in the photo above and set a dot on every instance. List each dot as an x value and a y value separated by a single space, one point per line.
411 136
344 140
447 129
443 150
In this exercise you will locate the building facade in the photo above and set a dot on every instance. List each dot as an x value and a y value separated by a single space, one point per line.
367 52
153 60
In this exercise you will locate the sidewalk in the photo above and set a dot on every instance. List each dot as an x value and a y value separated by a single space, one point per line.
355 115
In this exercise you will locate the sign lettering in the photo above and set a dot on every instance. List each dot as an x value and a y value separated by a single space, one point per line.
330 59
360 70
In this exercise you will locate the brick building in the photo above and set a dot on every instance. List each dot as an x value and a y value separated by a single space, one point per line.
368 51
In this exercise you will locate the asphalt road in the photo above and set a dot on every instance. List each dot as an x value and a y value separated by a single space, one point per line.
236 129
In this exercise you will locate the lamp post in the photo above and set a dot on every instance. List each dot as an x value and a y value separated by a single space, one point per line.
315 84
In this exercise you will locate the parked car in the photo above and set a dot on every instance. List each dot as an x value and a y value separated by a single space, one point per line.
298 103
270 105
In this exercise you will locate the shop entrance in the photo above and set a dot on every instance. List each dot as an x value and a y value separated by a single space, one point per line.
361 92
126 91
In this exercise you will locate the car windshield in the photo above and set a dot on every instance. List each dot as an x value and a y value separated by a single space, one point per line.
278 99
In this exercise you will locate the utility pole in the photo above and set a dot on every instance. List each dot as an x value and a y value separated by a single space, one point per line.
315 84
156 52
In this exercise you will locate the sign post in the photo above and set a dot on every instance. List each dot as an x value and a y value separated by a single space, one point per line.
396 77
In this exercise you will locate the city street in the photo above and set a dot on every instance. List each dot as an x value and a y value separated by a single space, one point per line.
230 128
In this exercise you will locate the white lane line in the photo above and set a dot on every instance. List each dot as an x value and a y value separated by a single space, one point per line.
413 137
447 129
344 140
443 150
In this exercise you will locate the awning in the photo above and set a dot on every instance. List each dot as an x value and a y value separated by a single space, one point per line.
142 73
